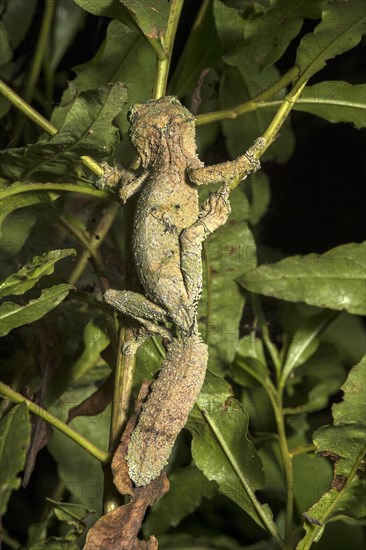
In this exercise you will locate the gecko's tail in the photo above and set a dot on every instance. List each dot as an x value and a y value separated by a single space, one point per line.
167 408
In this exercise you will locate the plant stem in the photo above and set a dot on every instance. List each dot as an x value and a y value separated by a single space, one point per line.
271 133
88 446
17 188
35 68
276 399
26 109
91 251
265 333
125 368
93 244
123 382
175 8
43 123
265 98
302 449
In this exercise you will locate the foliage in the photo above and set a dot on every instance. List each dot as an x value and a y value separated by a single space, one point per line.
273 454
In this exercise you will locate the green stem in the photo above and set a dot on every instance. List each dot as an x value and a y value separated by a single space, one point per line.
35 69
278 120
264 99
43 123
314 531
175 8
123 382
91 251
26 109
258 312
271 133
302 449
18 188
93 244
268 523
93 450
276 399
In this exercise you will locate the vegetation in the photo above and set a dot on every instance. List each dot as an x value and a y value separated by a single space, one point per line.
273 452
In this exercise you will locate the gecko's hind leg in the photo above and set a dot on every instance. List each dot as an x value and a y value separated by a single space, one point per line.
214 213
139 308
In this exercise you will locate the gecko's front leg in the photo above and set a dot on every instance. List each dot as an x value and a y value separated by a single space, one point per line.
126 182
214 213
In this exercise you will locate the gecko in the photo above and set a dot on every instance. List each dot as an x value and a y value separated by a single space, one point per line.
169 228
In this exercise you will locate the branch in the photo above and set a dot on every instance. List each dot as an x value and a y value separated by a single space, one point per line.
87 445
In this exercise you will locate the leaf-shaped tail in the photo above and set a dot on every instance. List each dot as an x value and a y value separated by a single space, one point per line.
167 408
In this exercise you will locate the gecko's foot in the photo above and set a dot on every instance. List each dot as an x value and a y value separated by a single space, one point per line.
253 150
216 209
111 177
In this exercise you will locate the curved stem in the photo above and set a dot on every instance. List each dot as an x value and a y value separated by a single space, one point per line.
168 41
88 446
17 189
35 69
277 404
271 133
264 99
26 109
92 244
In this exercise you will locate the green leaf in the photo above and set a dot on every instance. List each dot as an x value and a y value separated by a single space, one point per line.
187 488
258 190
268 33
68 20
80 472
228 252
87 129
151 18
6 51
17 19
305 341
194 58
343 441
15 431
125 56
14 315
68 511
313 383
341 29
31 273
336 101
95 341
221 448
11 203
239 85
335 279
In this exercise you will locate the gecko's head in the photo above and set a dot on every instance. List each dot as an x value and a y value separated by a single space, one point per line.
158 123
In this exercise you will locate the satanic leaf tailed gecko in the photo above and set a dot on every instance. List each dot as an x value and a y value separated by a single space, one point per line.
168 232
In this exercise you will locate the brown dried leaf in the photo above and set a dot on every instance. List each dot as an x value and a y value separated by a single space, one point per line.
119 528
96 402
41 430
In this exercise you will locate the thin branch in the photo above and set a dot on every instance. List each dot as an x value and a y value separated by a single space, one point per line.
264 99
35 68
88 446
17 188
175 8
